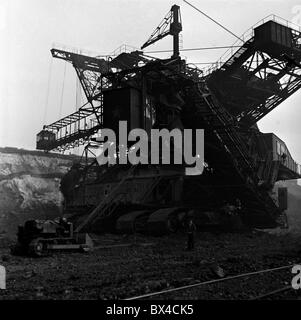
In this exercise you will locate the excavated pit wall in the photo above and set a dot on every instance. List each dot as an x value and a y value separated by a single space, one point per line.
29 186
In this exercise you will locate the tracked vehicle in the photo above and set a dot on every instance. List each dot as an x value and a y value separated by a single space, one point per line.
42 237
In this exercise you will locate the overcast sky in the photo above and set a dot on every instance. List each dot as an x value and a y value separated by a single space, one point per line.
29 28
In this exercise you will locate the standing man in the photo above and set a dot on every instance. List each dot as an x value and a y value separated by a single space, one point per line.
191 228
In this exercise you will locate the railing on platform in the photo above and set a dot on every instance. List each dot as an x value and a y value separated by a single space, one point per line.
246 36
124 48
75 50
289 163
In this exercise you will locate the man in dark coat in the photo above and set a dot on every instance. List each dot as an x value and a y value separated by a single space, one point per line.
191 228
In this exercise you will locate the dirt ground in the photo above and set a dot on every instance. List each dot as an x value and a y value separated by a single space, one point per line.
126 266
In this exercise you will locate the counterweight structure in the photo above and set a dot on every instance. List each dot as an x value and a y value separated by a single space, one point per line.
227 100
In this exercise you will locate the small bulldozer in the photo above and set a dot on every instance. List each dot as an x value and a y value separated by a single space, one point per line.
41 237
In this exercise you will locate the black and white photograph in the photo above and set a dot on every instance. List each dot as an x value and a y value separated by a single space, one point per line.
150 153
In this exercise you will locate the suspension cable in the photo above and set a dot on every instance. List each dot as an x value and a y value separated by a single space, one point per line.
203 13
78 95
47 91
62 93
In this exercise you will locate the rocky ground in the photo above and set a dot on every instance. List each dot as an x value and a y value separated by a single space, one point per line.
125 266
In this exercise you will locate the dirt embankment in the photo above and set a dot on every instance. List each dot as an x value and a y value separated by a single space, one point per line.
29 186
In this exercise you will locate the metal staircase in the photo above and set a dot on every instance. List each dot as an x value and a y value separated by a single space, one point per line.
223 126
239 56
150 187
109 203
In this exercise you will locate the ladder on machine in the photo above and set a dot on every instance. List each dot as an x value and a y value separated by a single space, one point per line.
150 187
223 126
106 206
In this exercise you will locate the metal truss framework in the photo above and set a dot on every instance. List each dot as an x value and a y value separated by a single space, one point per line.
284 78
95 75
249 66
255 79
170 25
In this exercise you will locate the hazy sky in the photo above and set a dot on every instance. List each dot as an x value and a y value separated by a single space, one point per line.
28 29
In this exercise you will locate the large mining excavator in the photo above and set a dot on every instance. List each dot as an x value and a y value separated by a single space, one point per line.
226 100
